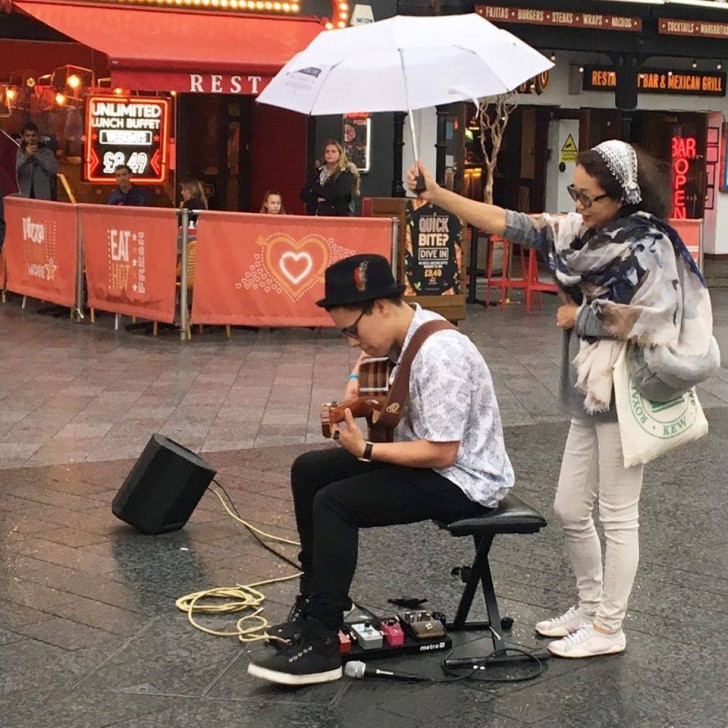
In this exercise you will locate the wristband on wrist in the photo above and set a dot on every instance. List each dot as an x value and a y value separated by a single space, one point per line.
353 376
366 456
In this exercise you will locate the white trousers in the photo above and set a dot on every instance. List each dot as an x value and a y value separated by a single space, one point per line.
593 467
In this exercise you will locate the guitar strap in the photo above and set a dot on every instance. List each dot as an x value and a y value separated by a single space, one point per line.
399 393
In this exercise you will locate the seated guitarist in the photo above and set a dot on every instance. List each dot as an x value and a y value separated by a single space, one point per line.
447 462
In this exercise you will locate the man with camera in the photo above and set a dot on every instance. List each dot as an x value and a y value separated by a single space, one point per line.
447 460
36 166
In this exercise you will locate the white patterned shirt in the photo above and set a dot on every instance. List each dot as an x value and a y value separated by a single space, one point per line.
451 398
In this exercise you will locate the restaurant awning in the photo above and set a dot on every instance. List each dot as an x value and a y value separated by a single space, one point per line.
171 50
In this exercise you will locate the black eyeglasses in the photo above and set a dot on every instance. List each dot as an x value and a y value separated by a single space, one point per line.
586 201
352 332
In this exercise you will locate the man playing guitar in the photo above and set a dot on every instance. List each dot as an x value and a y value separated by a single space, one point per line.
447 460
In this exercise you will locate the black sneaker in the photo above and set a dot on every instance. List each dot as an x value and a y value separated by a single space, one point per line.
309 658
292 626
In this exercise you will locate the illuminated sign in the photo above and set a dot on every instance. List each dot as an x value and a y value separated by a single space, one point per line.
702 28
357 139
535 85
684 150
657 81
131 131
598 21
266 7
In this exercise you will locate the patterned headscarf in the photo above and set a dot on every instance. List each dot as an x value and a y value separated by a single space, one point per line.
621 160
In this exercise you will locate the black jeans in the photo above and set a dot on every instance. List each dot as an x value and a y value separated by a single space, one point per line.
335 495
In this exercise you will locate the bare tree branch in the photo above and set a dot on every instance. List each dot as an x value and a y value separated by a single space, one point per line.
493 115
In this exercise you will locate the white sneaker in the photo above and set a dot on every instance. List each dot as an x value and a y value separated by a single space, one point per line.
568 623
588 642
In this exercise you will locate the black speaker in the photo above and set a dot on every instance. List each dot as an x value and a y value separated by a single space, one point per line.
163 487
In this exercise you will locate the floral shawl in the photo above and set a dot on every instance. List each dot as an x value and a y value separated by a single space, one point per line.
639 278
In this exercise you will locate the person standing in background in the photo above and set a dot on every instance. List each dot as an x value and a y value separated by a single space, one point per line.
126 194
193 197
36 166
335 184
272 203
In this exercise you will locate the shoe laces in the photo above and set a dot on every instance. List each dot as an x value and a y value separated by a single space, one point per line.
566 616
298 609
290 645
581 635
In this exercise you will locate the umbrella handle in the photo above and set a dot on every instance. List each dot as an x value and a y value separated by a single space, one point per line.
420 185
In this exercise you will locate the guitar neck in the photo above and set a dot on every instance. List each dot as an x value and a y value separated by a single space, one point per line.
360 407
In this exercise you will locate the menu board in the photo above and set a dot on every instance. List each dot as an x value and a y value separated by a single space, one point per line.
132 131
433 251
357 136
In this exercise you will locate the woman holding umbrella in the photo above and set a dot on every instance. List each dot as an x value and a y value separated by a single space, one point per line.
625 276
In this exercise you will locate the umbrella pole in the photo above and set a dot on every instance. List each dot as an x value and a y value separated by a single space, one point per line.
420 185
415 151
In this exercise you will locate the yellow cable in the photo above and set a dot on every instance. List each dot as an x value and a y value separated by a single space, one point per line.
239 598
251 527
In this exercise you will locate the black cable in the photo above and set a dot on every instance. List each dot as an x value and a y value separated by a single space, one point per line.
281 556
483 662
473 671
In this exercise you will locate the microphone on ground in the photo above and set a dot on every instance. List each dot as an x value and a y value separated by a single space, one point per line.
358 669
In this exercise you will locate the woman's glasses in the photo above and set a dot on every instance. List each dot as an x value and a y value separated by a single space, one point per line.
586 201
352 332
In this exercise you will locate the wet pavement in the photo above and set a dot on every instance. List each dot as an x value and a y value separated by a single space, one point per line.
89 632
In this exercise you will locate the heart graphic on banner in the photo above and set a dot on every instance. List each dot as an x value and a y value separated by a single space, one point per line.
287 267
297 264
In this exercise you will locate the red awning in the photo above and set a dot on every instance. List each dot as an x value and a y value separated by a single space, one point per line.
170 50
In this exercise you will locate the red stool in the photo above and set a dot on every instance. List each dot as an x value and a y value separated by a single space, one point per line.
535 285
505 281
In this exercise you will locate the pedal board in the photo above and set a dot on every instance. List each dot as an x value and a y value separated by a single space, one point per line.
407 633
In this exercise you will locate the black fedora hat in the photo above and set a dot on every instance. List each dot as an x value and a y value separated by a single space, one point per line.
358 278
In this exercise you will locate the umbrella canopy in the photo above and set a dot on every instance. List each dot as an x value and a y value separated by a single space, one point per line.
404 63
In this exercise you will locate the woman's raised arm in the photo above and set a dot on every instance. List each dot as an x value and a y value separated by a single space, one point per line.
489 218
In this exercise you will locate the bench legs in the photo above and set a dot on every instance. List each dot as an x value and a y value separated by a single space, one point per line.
480 574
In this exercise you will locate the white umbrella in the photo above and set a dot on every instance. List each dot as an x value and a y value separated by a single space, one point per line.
404 63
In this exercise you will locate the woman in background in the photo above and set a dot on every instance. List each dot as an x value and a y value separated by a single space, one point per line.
335 184
193 195
272 203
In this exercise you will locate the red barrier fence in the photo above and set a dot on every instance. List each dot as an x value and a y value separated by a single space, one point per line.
131 259
41 249
244 269
268 270
691 231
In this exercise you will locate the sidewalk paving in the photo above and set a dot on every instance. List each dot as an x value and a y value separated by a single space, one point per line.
72 393
90 635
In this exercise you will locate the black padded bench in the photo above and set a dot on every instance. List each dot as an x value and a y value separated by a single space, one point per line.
512 515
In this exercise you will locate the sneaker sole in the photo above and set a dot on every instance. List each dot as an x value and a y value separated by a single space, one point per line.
579 655
286 678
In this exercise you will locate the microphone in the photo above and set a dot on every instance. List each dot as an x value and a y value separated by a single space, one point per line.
358 669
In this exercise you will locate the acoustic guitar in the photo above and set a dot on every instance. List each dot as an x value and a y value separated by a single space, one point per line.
374 376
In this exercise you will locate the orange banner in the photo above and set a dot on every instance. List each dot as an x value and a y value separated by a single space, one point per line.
268 270
131 259
41 249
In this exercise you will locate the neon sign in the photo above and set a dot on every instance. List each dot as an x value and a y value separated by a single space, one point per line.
131 131
684 149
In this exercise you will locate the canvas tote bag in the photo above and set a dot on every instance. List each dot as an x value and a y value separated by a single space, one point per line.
650 429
